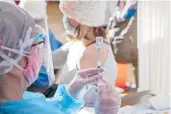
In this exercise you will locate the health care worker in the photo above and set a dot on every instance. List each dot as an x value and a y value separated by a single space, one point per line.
20 62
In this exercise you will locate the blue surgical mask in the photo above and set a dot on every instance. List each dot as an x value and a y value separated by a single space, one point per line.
68 28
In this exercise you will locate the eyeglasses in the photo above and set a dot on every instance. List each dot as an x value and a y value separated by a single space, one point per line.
39 43
40 39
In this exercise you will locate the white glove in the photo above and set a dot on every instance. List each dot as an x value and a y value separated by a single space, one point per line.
59 57
108 100
83 78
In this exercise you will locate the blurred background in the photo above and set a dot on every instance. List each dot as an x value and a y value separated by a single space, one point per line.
152 42
144 56
126 75
150 69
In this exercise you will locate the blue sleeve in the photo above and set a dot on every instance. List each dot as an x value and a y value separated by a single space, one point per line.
130 13
36 103
55 44
65 102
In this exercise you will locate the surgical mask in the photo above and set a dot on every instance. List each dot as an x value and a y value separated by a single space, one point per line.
68 28
34 61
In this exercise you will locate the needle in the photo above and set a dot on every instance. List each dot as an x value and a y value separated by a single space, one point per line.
99 45
98 62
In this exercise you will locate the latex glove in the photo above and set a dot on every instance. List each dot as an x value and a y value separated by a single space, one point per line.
77 87
108 100
59 57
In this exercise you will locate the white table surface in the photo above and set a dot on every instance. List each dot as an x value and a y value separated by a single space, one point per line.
128 110
87 110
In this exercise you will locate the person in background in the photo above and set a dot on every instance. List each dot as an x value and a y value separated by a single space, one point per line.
20 62
122 34
84 21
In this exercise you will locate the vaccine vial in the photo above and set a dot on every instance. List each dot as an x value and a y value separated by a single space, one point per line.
99 42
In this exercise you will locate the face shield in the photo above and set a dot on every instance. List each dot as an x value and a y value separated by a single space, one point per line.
40 18
47 66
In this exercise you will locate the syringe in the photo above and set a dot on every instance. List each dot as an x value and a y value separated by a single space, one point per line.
99 45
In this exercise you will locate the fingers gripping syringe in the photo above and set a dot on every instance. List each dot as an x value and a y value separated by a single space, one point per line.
99 45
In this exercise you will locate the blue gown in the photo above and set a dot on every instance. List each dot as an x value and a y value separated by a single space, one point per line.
36 103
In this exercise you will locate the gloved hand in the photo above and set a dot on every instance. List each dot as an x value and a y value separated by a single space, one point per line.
59 57
108 100
83 78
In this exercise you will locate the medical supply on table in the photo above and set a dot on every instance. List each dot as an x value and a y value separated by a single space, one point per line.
159 102
99 45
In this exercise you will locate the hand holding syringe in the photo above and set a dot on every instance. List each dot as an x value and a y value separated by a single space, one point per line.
99 46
